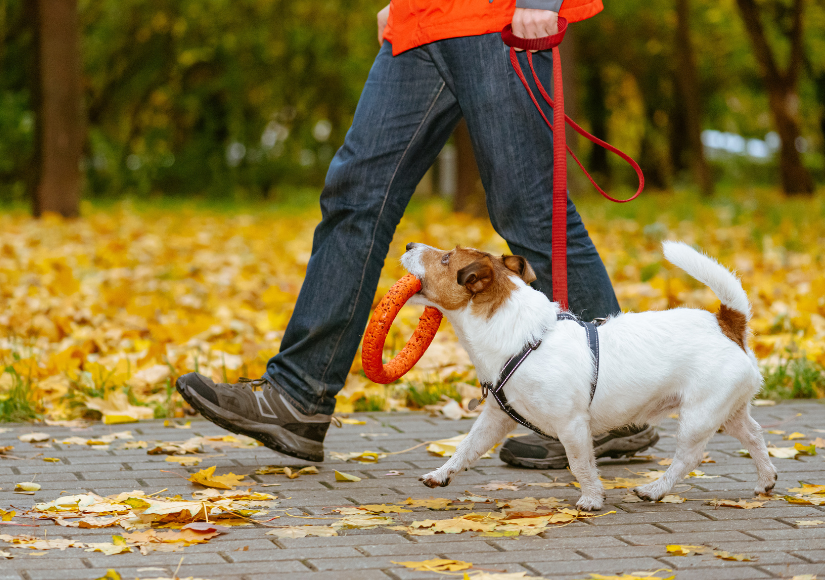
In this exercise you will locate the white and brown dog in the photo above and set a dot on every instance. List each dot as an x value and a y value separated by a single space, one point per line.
652 364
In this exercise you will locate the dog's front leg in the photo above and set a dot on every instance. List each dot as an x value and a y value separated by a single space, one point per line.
489 428
578 444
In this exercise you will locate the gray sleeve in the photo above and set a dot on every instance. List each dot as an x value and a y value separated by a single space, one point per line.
552 5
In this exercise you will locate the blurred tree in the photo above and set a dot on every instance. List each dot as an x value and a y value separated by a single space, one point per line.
59 115
782 86
687 84
469 194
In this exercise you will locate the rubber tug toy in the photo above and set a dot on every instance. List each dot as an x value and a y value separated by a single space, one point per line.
379 326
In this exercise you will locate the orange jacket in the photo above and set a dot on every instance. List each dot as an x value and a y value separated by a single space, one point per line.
415 22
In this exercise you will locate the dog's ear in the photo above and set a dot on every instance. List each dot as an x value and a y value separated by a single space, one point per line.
521 267
477 276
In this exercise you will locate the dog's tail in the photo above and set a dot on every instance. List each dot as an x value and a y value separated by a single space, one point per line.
735 312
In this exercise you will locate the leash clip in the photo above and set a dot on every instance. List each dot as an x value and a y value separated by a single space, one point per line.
474 403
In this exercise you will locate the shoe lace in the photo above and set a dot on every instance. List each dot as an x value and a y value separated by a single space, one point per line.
252 383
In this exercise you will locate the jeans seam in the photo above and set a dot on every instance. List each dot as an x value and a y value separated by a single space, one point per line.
374 233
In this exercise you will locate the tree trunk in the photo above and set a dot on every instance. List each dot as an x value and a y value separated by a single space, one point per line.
469 194
575 179
781 87
597 114
687 82
59 116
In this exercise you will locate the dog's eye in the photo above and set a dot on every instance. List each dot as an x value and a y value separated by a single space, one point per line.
445 259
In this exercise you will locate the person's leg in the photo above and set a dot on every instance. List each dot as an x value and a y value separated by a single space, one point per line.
514 151
404 117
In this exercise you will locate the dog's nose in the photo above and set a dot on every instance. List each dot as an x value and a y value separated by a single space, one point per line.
410 246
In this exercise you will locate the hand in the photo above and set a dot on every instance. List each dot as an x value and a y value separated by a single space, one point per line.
533 23
383 15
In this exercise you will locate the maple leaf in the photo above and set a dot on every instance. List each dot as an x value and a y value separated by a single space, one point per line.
808 488
207 478
184 460
436 565
818 442
499 485
433 503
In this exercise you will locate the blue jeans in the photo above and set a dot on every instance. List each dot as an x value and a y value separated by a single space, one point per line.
409 107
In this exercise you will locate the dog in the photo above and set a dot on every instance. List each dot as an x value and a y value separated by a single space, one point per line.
651 364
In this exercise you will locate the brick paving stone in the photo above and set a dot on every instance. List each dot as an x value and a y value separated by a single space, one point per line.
632 539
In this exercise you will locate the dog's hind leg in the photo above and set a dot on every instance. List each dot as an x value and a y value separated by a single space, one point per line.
742 426
488 429
578 445
694 432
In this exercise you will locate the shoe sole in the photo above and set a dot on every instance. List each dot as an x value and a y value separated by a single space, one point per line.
612 448
270 440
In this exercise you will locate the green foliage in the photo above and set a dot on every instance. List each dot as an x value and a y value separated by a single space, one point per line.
794 378
430 394
370 404
16 404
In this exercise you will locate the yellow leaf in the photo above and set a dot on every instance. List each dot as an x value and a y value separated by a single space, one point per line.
794 435
798 522
207 478
672 498
723 555
27 486
302 531
51 459
808 488
6 516
680 550
346 421
818 442
741 504
110 575
34 437
184 459
436 565
806 449
361 457
446 447
340 476
383 509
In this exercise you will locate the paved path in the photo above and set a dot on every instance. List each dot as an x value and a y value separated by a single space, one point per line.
633 539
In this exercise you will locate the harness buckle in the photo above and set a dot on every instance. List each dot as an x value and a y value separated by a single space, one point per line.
474 403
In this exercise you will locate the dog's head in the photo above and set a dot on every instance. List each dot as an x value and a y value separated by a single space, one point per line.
452 279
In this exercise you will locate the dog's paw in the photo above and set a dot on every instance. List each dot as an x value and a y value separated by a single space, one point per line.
591 503
433 480
646 493
766 489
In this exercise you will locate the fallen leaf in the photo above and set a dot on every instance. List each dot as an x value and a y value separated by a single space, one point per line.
741 504
436 565
672 498
808 488
806 449
393 473
135 445
809 522
207 478
51 459
359 456
723 555
763 403
499 485
701 475
631 498
794 435
110 575
775 432
116 409
34 437
818 442
27 486
383 509
446 447
550 484
347 421
6 516
782 452
680 550
184 460
340 476
302 531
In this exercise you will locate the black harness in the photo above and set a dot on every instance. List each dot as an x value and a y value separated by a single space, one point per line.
515 361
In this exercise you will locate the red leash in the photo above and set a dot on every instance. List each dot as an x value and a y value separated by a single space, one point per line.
559 234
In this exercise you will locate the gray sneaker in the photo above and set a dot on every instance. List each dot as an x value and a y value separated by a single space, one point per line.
536 452
259 410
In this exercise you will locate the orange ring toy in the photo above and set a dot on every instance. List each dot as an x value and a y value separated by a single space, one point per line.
379 326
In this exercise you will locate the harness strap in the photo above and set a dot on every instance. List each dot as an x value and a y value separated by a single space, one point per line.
515 361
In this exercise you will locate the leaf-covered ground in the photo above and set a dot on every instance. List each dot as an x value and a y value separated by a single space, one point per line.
100 314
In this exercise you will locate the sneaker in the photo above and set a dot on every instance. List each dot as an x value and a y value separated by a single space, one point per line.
537 452
258 409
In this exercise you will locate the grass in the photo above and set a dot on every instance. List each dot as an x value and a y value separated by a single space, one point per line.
16 404
793 378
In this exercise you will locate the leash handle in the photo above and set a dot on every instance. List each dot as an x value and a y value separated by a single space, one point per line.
559 224
543 43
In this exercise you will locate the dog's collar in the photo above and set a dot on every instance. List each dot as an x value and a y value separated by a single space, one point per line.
515 361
